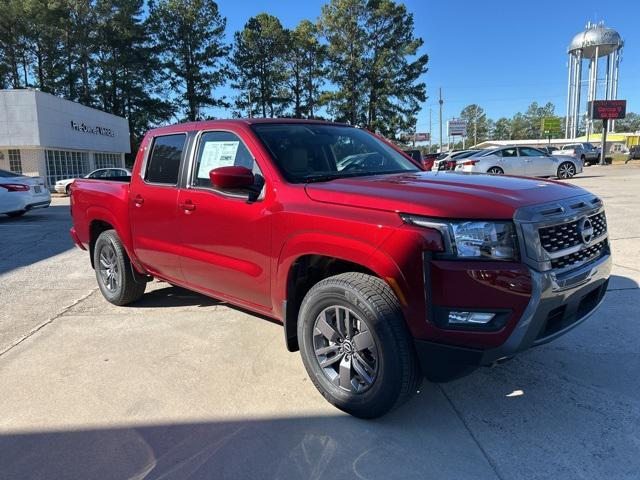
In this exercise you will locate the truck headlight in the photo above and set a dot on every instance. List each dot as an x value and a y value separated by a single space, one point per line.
478 239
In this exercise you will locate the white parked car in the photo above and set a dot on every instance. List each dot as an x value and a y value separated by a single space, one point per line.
63 186
447 160
524 161
20 193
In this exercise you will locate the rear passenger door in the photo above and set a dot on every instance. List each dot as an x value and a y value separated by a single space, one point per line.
153 207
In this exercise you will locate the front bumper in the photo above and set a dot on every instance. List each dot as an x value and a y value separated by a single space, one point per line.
557 304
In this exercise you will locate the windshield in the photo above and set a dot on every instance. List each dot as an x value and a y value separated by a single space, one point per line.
312 152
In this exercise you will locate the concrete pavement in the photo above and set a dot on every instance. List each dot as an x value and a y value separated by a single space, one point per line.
180 386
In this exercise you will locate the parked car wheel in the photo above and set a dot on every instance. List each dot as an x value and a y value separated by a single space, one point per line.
583 159
114 272
355 345
68 189
16 214
566 170
495 171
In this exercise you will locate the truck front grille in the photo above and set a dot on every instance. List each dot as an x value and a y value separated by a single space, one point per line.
563 236
582 256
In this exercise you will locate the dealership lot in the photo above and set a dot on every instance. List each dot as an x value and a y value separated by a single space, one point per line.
180 386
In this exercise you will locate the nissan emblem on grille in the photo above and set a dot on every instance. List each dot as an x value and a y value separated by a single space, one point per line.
586 230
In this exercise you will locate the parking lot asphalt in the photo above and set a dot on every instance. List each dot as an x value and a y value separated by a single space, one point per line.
181 386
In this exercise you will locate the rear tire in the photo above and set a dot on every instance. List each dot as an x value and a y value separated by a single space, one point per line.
352 324
566 170
114 271
16 214
495 171
68 189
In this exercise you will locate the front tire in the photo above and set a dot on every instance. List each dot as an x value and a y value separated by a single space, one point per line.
114 272
355 345
566 170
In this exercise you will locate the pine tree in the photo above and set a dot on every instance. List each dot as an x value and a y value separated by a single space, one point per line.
259 63
189 36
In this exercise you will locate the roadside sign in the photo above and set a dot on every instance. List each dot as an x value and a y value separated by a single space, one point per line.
416 137
607 109
550 125
457 128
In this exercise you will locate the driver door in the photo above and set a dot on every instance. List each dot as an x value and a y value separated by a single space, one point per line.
511 163
536 163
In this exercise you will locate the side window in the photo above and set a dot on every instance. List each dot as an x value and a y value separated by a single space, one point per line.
509 152
163 164
222 149
529 152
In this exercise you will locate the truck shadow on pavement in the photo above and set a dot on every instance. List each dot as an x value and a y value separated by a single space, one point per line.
171 296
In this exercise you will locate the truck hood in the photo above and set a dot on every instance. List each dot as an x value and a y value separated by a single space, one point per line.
443 194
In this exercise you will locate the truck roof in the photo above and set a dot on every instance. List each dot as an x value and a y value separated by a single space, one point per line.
205 124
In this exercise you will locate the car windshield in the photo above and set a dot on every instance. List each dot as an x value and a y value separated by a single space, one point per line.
8 174
313 152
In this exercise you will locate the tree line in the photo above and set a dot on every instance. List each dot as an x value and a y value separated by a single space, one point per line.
166 60
525 125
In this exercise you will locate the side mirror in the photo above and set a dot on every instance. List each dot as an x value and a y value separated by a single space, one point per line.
231 177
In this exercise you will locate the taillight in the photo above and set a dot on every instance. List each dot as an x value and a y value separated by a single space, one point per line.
15 187
470 162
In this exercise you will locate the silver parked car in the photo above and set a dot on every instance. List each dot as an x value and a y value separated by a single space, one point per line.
20 193
525 161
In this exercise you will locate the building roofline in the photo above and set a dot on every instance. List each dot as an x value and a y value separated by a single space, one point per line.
62 99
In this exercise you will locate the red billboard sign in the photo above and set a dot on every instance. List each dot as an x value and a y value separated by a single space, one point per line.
607 109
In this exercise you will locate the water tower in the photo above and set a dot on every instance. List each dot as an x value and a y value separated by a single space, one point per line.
602 48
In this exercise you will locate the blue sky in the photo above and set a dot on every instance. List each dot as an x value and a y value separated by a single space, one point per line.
499 54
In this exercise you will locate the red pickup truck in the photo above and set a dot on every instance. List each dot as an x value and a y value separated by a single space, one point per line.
380 273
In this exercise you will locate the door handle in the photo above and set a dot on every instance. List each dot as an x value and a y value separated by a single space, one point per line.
188 206
138 200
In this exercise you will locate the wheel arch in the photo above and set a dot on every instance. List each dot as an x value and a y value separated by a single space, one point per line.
299 270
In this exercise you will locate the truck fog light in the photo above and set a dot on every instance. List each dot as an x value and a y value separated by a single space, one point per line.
470 318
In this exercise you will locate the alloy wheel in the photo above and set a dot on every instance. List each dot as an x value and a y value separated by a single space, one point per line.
345 349
567 170
109 270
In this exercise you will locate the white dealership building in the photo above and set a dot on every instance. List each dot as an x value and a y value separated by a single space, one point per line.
44 135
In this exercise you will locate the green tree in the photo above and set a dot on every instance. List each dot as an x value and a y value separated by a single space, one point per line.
125 74
305 60
260 69
478 125
343 23
189 36
533 119
502 129
78 43
43 36
374 63
631 123
13 43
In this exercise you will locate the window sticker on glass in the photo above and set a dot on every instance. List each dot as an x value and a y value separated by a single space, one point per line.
215 155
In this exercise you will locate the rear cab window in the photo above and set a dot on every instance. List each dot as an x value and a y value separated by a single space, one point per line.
163 164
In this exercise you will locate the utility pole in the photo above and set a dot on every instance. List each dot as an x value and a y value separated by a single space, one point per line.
440 102
250 105
429 129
